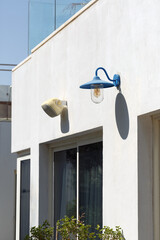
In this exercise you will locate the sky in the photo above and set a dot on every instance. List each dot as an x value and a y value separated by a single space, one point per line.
14 25
13 35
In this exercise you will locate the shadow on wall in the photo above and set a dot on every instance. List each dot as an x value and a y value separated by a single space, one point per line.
64 121
122 116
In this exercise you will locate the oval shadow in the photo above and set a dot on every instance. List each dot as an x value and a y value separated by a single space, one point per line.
122 116
64 121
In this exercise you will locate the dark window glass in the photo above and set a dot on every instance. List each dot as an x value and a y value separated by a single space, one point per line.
24 198
90 183
65 180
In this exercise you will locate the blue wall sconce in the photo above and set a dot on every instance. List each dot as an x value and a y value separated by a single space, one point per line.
97 85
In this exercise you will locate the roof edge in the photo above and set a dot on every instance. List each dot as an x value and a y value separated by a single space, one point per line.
76 15
21 63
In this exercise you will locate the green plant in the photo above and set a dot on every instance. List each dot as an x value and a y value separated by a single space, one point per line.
42 232
71 228
107 233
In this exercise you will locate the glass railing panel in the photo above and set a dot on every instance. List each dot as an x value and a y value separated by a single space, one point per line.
47 16
66 9
41 21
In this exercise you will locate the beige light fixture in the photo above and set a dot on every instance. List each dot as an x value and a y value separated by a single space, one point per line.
54 107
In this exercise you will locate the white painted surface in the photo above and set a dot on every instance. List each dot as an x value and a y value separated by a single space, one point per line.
7 183
124 38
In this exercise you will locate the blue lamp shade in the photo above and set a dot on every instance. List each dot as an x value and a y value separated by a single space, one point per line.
96 81
97 85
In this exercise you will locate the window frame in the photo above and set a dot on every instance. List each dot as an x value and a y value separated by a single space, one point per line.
18 204
72 142
156 176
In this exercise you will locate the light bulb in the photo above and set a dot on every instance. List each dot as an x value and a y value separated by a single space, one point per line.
97 93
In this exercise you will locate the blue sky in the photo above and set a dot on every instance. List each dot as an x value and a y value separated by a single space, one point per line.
14 27
13 34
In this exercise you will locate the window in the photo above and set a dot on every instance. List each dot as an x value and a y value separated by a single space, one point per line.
23 197
65 181
78 183
156 176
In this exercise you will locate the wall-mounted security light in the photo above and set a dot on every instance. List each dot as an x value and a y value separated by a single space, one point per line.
54 107
97 85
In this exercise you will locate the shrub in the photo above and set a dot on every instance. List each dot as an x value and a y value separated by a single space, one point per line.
71 228
107 233
42 232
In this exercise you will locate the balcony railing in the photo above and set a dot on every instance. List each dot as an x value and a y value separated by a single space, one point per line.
45 17
6 67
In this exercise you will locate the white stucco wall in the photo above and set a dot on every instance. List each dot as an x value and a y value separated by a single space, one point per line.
124 38
7 183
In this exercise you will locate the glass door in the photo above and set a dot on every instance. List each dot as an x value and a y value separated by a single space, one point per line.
65 181
78 183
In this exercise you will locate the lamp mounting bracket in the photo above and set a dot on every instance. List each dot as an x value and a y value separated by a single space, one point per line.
115 80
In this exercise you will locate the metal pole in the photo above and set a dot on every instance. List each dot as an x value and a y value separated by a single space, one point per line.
3 64
55 5
28 25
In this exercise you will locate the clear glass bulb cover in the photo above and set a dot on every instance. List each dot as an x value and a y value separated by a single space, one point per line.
97 93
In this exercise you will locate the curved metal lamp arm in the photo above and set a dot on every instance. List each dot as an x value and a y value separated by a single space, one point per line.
96 73
115 80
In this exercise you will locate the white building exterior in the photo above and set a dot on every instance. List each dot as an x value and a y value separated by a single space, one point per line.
123 37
